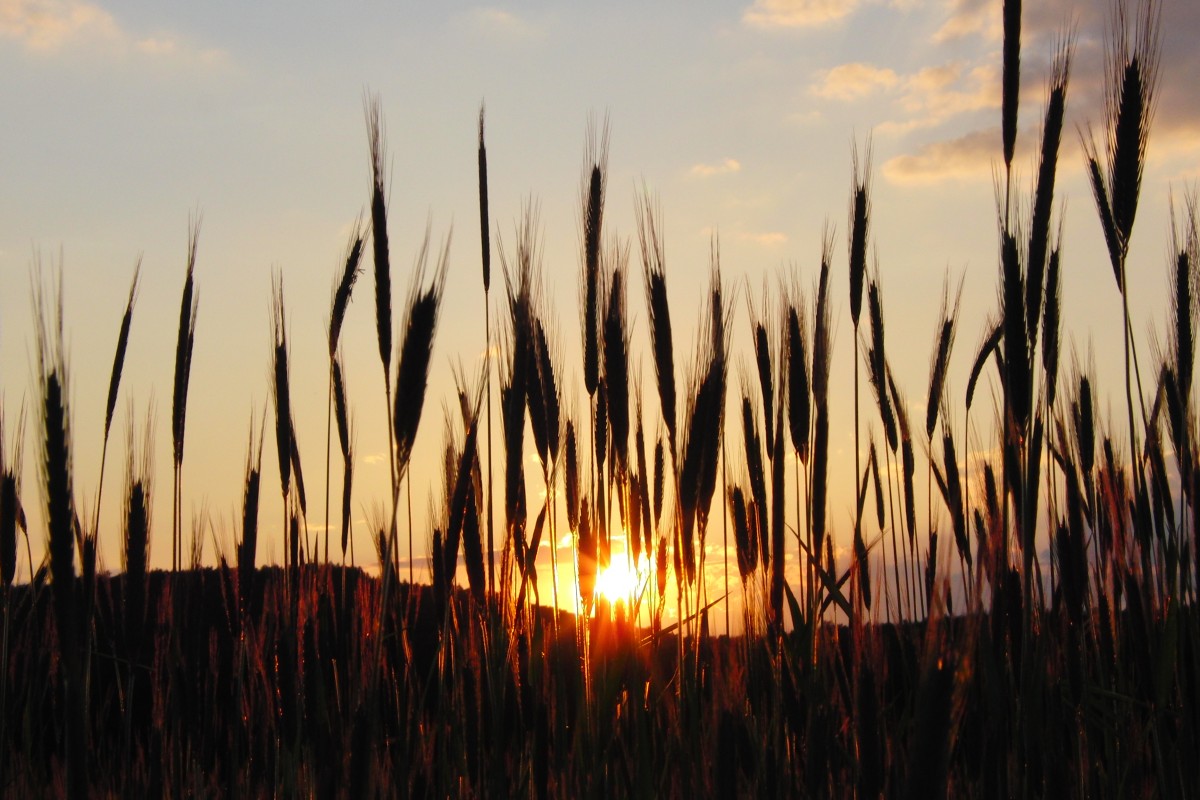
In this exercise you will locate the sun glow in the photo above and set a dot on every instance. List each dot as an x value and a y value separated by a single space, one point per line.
617 581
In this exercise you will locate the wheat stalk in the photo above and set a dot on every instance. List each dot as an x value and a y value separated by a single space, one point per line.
10 502
1043 196
62 524
114 383
654 272
281 391
184 345
136 513
342 289
412 368
592 203
1011 80
486 261
616 353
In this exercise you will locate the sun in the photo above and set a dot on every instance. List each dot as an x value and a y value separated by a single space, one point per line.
617 581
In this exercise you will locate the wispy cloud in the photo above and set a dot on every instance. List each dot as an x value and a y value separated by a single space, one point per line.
725 167
924 99
49 27
940 94
1046 18
968 18
764 238
937 94
797 13
853 81
497 22
804 119
967 157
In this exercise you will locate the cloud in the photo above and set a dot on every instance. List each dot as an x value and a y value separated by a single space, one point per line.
939 94
50 27
968 157
726 167
971 18
490 21
804 119
797 13
853 81
973 156
926 98
1041 20
765 239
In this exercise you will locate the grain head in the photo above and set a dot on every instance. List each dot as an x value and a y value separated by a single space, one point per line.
416 351
183 346
379 230
649 219
344 285
592 202
860 219
948 319
1012 77
280 385
484 226
114 380
1043 196
616 352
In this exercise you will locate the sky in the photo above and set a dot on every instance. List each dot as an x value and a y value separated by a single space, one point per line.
126 120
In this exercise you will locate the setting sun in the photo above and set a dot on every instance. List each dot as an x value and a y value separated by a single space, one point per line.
617 581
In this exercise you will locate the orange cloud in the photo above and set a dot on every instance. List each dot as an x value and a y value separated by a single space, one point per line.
854 81
797 13
52 26
726 167
968 157
927 98
765 239
49 25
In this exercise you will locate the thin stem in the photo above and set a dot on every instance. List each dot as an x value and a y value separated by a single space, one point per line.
892 517
548 476
724 535
328 446
408 494
100 488
487 373
857 456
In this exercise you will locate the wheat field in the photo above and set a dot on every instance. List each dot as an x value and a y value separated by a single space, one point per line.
637 584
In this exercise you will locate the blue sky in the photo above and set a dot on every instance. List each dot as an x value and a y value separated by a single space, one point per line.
122 119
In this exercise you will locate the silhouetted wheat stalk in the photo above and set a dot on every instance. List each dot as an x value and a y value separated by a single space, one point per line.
281 392
62 525
345 443
185 342
485 243
114 383
10 503
412 366
858 233
136 514
248 546
799 409
342 288
1129 103
11 517
383 283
